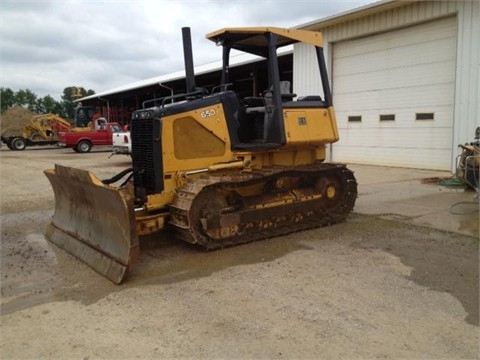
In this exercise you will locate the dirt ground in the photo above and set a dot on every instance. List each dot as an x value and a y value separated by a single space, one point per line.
367 288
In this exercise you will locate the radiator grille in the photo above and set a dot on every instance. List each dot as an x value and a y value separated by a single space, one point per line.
146 154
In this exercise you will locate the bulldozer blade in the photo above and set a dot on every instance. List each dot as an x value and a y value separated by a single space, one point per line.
93 222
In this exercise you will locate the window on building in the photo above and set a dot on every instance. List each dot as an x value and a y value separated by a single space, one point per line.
355 118
387 117
424 116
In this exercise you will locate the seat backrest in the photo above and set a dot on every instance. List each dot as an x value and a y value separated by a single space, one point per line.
285 87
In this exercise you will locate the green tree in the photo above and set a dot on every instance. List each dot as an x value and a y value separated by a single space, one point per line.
7 98
26 98
48 104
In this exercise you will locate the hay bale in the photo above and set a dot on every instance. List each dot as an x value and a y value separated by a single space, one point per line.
13 119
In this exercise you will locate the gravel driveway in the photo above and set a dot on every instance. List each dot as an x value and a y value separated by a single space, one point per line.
367 288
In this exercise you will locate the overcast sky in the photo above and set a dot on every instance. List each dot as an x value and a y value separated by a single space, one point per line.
47 46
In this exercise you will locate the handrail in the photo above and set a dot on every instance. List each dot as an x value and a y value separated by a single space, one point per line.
174 97
222 87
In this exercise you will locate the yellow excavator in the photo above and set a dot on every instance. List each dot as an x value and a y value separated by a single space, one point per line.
44 130
216 168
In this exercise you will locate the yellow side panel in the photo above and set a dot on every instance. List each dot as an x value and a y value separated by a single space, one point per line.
310 126
191 140
195 139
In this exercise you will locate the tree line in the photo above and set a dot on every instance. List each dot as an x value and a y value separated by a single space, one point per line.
43 105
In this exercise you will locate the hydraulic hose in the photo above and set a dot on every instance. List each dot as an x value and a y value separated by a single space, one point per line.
119 176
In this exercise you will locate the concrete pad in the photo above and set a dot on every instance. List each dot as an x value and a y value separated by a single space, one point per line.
400 193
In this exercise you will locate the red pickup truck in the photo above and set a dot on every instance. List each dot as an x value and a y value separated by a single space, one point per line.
82 141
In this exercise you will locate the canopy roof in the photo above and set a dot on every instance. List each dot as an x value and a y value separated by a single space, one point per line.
253 40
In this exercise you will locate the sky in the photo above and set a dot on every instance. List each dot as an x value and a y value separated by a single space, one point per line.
46 46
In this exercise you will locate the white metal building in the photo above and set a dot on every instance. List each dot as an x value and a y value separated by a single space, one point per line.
405 77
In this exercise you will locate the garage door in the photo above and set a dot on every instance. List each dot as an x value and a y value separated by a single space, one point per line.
394 94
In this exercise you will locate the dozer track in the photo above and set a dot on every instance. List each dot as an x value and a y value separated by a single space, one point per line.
226 209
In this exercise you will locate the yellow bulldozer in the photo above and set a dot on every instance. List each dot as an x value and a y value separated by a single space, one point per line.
216 168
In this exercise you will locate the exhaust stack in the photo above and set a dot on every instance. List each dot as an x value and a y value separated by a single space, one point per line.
188 57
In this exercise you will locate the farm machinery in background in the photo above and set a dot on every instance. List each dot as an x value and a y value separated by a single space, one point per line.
468 163
45 129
